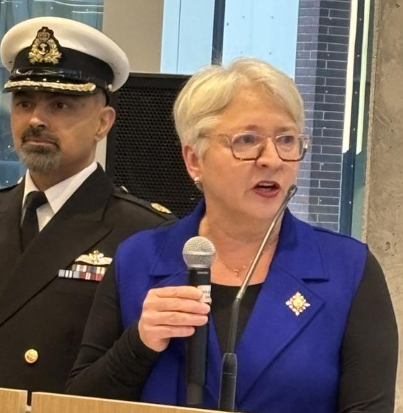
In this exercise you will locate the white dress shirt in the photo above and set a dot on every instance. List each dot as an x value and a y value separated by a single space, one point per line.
57 195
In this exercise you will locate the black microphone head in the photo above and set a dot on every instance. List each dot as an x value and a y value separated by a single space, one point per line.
198 252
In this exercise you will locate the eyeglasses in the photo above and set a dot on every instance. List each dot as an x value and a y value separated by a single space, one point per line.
249 146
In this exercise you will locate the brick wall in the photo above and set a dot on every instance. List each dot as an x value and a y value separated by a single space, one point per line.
322 48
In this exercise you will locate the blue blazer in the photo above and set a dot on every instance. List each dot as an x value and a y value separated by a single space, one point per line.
286 363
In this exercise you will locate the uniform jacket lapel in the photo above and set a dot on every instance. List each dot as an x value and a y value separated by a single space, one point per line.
74 229
10 241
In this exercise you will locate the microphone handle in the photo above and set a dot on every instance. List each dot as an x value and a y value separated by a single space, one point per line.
196 348
229 370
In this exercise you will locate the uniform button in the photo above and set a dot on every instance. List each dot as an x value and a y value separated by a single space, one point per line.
31 356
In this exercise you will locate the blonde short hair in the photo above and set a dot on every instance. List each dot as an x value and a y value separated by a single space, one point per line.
211 89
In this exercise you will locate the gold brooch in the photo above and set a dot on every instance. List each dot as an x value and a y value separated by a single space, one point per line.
161 208
298 303
45 48
94 258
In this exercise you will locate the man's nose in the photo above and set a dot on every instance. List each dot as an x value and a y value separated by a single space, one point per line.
38 117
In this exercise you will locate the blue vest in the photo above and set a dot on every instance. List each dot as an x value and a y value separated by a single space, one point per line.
286 362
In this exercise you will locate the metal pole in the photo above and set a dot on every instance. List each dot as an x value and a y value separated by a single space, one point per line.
218 32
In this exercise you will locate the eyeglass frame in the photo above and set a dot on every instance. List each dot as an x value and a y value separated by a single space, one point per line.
305 142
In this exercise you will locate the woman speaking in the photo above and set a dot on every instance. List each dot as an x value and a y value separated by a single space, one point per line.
316 331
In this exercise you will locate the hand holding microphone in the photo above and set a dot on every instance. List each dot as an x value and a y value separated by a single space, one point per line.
171 312
176 311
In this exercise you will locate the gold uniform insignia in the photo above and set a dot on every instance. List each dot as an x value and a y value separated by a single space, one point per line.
89 267
31 356
94 258
160 208
298 303
45 48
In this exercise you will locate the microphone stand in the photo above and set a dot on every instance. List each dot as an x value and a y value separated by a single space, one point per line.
229 365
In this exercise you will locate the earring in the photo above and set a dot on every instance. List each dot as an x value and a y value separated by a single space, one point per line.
197 181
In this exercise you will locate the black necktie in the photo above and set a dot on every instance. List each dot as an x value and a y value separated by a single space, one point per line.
30 226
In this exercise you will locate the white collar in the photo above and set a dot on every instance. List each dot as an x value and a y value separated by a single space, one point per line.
58 194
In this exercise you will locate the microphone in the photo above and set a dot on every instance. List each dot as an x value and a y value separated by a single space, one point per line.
229 365
198 254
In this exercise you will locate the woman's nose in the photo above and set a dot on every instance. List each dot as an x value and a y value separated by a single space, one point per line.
269 156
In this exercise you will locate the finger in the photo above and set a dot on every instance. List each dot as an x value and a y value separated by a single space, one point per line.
182 305
183 291
155 318
167 332
184 299
158 337
175 318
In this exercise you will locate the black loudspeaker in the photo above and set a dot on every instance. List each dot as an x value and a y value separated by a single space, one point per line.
143 151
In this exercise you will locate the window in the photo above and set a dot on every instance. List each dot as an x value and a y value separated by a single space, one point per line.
316 43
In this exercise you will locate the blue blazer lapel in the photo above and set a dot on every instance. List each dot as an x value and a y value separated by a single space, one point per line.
272 325
167 269
170 269
168 258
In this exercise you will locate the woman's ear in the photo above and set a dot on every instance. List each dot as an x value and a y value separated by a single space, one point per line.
192 162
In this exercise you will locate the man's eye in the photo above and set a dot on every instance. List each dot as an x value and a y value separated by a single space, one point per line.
61 105
23 104
246 139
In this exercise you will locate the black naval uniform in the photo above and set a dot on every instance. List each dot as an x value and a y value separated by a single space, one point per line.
42 316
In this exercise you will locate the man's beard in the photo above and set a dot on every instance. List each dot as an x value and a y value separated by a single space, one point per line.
39 158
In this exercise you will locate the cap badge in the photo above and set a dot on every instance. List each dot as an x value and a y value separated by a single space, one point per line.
298 303
45 48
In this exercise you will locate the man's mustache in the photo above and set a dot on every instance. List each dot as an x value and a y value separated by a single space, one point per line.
39 133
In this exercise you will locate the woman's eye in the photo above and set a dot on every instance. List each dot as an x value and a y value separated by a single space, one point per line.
246 139
286 139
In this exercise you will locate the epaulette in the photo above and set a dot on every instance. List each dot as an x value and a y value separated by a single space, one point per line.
122 193
8 188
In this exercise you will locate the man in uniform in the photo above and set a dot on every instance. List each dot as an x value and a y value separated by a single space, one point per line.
59 227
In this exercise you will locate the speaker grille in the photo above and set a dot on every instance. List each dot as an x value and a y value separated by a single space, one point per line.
144 152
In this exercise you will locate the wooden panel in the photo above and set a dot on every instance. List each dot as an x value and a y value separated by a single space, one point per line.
13 401
51 403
